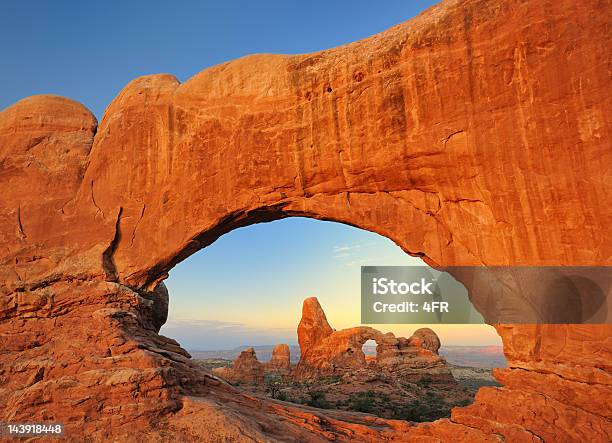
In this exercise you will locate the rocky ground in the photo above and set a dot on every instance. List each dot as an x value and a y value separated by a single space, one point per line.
381 395
401 378
473 356
473 378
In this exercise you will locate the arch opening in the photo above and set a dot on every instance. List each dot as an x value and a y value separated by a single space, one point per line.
370 351
232 302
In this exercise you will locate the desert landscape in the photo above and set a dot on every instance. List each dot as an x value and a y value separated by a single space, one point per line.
474 134
402 379
484 357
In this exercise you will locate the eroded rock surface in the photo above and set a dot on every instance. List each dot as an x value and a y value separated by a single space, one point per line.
313 326
427 339
329 352
246 368
280 362
405 380
474 134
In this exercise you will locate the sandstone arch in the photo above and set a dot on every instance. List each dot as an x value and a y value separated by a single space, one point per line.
325 351
472 134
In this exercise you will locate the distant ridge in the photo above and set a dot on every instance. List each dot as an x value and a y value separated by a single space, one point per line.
476 356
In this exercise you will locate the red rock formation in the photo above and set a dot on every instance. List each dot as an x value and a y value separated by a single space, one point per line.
281 360
313 326
474 134
246 369
340 352
425 338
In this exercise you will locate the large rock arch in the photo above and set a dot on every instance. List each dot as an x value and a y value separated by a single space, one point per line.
472 134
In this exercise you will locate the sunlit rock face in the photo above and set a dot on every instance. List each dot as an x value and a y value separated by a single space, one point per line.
313 326
280 363
246 368
474 134
324 351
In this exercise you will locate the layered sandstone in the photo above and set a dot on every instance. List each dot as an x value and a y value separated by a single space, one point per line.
313 326
474 134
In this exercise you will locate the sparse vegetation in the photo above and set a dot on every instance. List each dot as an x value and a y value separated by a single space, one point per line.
331 379
362 402
317 400
420 399
282 395
212 363
425 381
273 384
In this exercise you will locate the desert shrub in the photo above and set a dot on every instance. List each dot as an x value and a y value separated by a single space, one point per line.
317 400
384 397
428 408
409 386
331 379
273 384
424 381
362 402
410 411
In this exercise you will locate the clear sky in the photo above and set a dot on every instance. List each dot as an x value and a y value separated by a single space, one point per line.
89 51
246 288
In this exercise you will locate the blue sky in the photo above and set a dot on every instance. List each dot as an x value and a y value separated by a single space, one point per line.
246 288
89 51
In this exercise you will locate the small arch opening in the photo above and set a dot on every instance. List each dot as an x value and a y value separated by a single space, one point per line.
369 350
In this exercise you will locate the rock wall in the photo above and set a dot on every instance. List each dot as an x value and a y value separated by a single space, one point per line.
474 134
